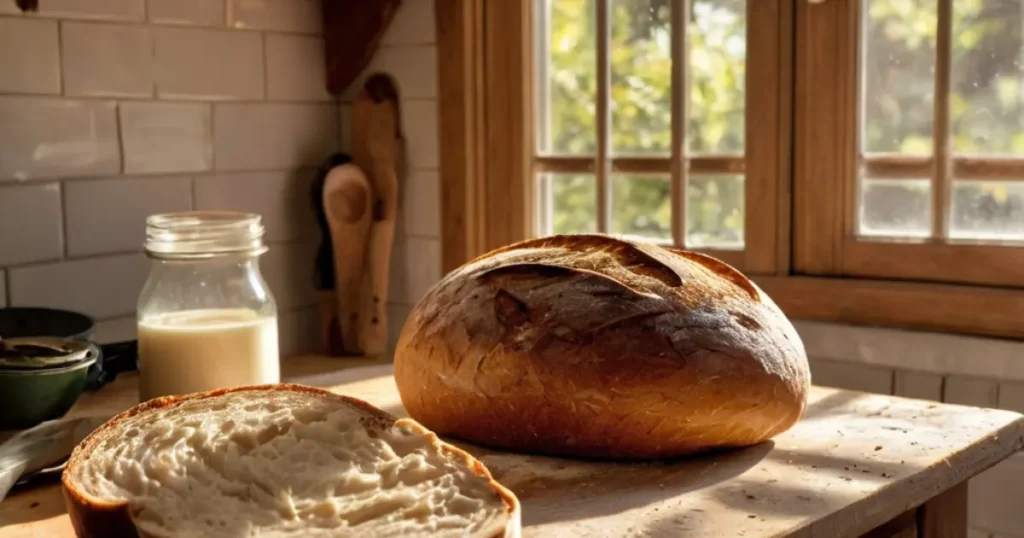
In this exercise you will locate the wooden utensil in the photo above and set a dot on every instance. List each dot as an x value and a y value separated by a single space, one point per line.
377 150
347 202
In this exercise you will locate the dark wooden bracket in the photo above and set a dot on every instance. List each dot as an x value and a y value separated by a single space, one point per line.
352 34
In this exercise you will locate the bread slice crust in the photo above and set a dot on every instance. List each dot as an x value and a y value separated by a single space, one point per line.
597 347
96 517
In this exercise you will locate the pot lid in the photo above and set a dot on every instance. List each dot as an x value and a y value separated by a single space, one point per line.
35 353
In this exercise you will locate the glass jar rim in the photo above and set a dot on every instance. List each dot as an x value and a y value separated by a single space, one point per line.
203 234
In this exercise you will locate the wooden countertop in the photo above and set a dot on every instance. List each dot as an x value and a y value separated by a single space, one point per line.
855 462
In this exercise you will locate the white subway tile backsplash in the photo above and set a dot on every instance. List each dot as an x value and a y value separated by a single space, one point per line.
281 198
106 60
197 12
109 215
1011 396
166 137
273 136
971 391
421 203
30 223
420 129
298 332
415 268
919 385
994 497
397 314
29 56
851 376
412 25
414 69
938 353
104 287
302 16
116 330
296 70
288 270
172 142
194 63
120 10
47 138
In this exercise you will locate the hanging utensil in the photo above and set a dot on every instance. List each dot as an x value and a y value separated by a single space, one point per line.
377 149
347 203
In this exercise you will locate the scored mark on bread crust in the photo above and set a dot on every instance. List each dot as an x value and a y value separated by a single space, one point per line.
636 258
720 268
510 311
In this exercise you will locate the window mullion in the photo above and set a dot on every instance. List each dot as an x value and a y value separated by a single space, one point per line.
603 43
941 181
680 97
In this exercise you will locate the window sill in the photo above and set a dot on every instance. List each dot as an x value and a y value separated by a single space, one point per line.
942 308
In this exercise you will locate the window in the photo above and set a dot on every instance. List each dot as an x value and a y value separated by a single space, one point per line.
862 160
640 122
927 150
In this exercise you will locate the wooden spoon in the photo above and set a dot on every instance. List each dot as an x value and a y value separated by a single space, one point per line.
377 149
348 203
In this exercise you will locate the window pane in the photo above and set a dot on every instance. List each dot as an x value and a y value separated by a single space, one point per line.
991 211
566 76
896 208
714 212
717 75
640 53
986 101
642 206
898 83
572 203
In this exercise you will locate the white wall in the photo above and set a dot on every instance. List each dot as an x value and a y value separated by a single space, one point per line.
983 372
115 109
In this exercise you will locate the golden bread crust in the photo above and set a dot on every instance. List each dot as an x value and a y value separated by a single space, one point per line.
598 347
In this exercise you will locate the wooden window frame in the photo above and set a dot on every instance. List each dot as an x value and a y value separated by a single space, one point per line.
826 233
812 265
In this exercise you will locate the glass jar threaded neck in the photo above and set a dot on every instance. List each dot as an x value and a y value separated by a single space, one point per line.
203 234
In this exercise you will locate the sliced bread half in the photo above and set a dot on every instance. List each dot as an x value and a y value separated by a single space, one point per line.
278 461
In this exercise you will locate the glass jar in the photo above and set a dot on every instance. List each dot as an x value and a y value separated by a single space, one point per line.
206 319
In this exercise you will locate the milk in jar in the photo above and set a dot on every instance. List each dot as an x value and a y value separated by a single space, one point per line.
206 318
196 350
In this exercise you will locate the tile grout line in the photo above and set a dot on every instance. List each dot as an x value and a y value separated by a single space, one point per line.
60 57
63 216
202 99
213 143
138 252
144 23
42 180
265 67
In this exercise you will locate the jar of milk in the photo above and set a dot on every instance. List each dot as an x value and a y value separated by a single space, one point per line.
206 318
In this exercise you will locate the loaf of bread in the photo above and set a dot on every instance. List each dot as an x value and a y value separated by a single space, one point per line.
277 461
597 347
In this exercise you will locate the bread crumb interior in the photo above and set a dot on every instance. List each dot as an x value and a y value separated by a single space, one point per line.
284 464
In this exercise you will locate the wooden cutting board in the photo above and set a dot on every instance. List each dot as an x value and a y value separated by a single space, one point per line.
856 461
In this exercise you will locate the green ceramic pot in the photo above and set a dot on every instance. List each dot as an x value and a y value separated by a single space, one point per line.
40 378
